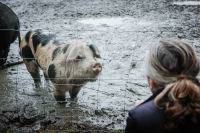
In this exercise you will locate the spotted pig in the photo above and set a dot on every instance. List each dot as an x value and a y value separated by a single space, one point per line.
68 66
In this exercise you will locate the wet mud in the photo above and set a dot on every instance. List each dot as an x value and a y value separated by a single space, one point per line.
122 30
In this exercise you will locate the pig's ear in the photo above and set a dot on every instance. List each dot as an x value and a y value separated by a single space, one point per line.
76 52
96 51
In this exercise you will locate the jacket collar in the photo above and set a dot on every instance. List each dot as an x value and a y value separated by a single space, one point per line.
153 96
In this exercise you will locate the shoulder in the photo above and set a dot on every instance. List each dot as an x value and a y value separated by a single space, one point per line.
146 107
147 117
145 111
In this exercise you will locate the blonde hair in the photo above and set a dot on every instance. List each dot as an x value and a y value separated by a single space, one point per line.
173 65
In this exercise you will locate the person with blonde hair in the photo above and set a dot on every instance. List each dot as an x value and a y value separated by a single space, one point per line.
172 66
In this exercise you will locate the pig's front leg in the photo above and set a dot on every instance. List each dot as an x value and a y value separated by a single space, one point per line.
59 93
74 91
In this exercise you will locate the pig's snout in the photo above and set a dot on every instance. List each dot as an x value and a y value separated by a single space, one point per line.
96 67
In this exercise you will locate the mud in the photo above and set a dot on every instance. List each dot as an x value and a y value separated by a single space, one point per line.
122 30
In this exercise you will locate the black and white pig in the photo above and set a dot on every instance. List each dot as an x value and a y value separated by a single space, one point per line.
68 66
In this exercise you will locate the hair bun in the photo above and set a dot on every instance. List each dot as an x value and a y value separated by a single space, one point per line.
193 79
180 77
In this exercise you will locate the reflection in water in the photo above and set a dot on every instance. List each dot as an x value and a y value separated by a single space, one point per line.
100 21
187 3
116 22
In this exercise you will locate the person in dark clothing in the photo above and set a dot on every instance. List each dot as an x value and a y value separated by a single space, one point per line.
172 66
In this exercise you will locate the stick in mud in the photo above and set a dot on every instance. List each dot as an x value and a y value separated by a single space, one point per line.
10 64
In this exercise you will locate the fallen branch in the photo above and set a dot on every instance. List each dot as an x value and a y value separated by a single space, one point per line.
10 64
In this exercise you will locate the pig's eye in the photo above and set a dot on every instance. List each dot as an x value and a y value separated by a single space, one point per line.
79 58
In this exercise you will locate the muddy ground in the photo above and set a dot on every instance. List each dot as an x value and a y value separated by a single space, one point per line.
104 104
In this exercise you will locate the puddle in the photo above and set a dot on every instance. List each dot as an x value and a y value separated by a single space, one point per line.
123 23
187 3
101 21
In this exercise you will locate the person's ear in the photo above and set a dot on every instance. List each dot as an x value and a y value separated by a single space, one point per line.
151 84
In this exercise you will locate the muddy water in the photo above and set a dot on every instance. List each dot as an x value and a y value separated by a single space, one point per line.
122 30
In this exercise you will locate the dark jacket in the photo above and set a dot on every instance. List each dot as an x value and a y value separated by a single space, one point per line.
146 118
